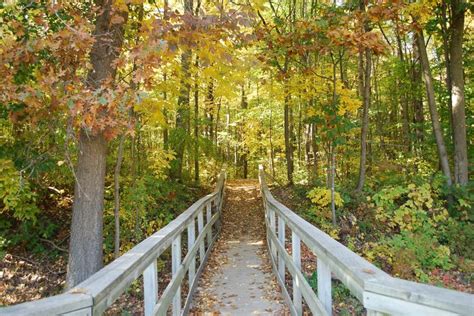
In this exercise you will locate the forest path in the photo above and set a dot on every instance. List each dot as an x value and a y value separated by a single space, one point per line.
238 278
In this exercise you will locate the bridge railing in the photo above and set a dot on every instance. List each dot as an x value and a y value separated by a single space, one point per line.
379 293
94 295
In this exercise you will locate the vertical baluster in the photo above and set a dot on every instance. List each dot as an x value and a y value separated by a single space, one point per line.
191 240
202 250
296 254
176 261
273 229
150 287
208 219
281 238
324 286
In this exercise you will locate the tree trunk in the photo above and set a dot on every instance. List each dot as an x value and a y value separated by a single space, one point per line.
85 248
428 79
118 167
365 121
457 93
288 144
196 126
332 183
418 117
179 134
272 153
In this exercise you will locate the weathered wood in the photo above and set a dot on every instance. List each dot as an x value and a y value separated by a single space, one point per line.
191 241
392 306
202 249
150 287
358 275
307 292
281 239
175 265
166 298
324 285
296 254
208 219
55 305
81 312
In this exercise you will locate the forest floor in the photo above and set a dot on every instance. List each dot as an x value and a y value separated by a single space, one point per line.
238 278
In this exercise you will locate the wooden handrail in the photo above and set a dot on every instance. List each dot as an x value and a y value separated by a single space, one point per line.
95 294
379 292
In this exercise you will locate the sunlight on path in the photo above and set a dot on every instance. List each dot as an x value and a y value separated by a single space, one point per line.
238 279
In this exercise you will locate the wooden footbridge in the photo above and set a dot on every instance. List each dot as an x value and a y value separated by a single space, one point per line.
199 227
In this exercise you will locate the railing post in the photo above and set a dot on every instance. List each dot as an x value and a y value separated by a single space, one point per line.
176 262
202 250
296 254
191 240
324 285
150 287
273 229
281 238
208 219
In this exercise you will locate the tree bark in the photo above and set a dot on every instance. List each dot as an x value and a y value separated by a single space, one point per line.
365 121
196 126
118 167
288 143
428 80
418 117
85 248
457 93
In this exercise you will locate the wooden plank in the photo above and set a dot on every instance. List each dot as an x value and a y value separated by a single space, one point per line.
273 229
392 306
202 249
191 241
424 294
324 285
150 287
374 313
281 239
208 219
55 305
296 255
81 312
175 264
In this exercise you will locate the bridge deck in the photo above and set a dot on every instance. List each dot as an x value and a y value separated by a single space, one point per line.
238 279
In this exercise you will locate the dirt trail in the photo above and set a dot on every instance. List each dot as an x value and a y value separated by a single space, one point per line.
238 279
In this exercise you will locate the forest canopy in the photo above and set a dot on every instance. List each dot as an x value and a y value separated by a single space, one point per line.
115 114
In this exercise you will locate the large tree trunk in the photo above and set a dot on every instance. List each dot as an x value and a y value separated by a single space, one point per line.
457 93
365 121
428 79
85 249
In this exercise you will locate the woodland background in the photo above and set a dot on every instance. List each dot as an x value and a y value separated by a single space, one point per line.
361 112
